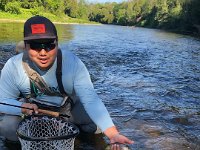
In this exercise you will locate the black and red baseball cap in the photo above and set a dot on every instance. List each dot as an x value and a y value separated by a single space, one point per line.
39 27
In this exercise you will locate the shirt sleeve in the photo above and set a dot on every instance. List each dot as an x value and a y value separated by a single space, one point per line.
91 102
8 90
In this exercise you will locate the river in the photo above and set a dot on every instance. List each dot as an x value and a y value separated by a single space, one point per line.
148 79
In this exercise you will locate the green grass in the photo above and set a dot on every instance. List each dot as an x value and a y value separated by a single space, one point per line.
27 14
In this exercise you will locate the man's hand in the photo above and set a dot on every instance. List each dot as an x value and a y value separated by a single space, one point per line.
29 111
116 138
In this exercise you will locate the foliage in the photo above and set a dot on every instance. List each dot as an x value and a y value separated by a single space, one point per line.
13 7
102 13
180 15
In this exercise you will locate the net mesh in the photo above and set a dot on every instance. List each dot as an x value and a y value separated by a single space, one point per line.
46 133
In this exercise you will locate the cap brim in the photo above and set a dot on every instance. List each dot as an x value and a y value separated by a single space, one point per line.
39 37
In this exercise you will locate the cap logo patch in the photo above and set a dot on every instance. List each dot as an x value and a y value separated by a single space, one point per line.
38 28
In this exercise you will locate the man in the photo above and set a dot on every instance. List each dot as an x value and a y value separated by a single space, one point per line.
34 75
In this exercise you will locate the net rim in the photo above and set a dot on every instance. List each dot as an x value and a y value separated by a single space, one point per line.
62 137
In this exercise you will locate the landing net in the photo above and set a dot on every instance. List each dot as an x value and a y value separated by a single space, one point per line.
46 133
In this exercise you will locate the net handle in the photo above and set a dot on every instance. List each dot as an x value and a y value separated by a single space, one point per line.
49 112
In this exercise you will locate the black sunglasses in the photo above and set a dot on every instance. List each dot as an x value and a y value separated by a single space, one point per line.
40 46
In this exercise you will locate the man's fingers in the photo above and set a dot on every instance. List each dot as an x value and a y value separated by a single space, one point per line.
29 108
115 147
35 108
128 141
30 112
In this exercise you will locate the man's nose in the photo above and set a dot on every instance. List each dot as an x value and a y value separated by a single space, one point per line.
43 52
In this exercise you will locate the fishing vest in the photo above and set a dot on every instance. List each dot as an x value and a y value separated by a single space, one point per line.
37 81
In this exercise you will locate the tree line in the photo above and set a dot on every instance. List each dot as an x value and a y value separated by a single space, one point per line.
179 15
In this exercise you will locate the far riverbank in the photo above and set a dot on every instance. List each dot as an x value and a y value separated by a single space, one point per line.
7 17
22 21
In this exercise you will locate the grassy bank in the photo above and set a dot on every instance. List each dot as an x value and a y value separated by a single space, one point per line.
8 17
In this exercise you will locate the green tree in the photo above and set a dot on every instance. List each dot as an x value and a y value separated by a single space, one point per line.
120 17
130 14
147 13
71 8
102 13
13 7
82 10
3 4
162 12
119 12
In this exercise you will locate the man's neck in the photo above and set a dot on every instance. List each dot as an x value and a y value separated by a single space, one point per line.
42 71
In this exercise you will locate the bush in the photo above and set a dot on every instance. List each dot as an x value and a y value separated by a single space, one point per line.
26 12
34 11
13 7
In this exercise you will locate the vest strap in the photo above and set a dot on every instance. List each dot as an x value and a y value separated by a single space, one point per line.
59 79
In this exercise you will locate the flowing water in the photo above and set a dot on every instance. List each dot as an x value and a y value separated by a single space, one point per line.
148 79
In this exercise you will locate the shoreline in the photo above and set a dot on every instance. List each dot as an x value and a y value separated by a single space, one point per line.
22 21
193 34
11 20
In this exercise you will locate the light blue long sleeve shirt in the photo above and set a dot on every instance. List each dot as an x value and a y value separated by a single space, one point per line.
75 78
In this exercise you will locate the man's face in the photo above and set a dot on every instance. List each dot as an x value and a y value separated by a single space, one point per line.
43 54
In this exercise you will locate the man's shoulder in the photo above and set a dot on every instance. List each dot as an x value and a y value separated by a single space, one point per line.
16 58
67 52
69 56
14 64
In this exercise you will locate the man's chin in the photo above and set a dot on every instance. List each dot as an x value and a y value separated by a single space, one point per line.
44 66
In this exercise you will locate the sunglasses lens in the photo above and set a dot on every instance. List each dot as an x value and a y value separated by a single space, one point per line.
34 46
40 46
50 46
